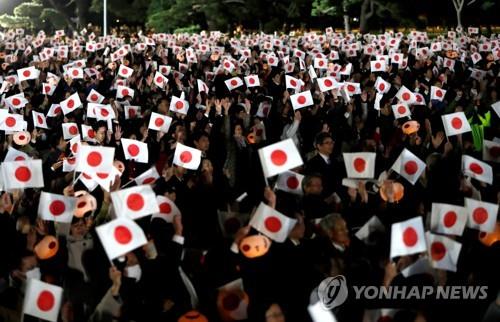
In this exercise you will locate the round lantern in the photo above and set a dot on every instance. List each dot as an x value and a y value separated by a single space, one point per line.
410 127
398 190
232 305
193 316
255 246
47 247
22 138
489 239
85 203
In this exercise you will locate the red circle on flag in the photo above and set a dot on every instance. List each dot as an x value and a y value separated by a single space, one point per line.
419 98
57 110
74 148
292 182
328 83
133 149
104 112
359 164
396 57
75 72
45 301
164 70
476 168
293 83
125 92
10 121
401 109
23 174
271 60
410 237
57 207
301 99
321 63
131 113
135 202
411 167
73 130
381 87
159 122
480 215
94 159
159 79
16 101
449 219
406 96
121 52
227 65
102 175
125 71
179 105
94 97
39 119
251 80
351 88
47 89
122 235
234 82
231 302
86 176
278 157
71 160
272 224
378 65
70 103
439 93
19 158
438 250
186 157
90 133
26 73
148 180
456 123
165 208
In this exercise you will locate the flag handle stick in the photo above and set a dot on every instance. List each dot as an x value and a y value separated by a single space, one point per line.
265 180
74 176
127 183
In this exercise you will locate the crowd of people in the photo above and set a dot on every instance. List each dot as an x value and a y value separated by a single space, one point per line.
178 274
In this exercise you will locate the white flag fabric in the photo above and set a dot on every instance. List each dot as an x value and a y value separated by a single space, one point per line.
125 71
12 123
22 174
443 252
94 159
39 120
481 215
476 169
135 202
75 73
187 157
448 219
70 130
123 91
120 236
302 99
16 101
135 150
409 166
407 237
233 83
55 207
491 151
360 164
160 80
382 86
27 73
272 223
279 157
95 97
42 300
327 83
437 93
291 182
168 209
377 66
319 314
455 123
70 104
252 80
15 155
401 110
202 87
405 95
292 82
178 105
159 122
147 177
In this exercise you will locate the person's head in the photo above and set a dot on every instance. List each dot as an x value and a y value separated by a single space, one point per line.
28 262
238 130
79 227
274 314
100 132
324 143
201 141
180 133
312 185
299 229
335 227
206 166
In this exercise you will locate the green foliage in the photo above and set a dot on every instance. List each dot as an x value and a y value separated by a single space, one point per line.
28 9
189 29
26 15
53 17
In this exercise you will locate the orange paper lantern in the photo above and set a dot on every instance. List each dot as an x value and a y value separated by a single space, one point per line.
193 316
232 305
85 203
489 239
47 247
255 246
398 190
22 138
411 127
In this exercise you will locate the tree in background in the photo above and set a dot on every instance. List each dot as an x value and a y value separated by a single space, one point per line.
33 15
131 11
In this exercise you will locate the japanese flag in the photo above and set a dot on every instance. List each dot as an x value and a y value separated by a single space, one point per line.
228 65
123 91
272 223
401 110
147 177
279 157
70 130
179 105
164 69
125 71
16 101
477 169
132 112
320 63
42 300
22 174
88 181
419 100
449 63
352 88
74 144
405 95
252 80
88 133
71 103
135 150
360 164
409 166
491 151
187 157
168 209
443 252
302 99
159 122
202 87
27 73
12 122
448 219
407 237
55 207
480 215
95 97
39 120
455 123
327 83
437 93
54 110
75 73
92 159
382 86
291 182
135 202
377 66
160 80
476 58
69 164
292 82
15 155
48 88
121 236
233 83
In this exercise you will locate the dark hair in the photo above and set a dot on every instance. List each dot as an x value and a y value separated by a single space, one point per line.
199 134
321 137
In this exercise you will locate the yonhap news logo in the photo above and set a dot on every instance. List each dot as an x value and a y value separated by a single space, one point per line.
333 292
